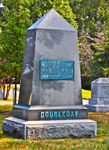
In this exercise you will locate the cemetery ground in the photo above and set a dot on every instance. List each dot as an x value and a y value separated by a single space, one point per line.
101 142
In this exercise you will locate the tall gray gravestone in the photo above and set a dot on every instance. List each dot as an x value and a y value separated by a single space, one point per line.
99 101
50 102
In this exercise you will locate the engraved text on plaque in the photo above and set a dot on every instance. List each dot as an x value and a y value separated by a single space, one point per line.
56 69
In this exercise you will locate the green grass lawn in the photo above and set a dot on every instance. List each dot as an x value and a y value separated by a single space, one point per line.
86 94
101 142
5 108
18 88
9 99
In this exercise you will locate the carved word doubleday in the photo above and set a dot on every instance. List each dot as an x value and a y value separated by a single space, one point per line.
59 114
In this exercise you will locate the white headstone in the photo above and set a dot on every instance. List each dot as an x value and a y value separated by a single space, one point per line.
99 100
1 94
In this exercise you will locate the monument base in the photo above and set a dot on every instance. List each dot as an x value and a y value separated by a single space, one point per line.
54 129
35 113
98 108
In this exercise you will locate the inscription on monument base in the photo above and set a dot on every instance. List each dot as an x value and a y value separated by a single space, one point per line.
50 112
56 69
59 114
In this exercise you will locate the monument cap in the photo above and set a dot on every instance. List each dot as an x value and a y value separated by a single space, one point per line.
52 20
101 80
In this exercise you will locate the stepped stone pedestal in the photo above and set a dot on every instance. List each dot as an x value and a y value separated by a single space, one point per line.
50 101
41 130
99 101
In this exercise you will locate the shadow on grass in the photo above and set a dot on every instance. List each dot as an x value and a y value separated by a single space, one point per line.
3 135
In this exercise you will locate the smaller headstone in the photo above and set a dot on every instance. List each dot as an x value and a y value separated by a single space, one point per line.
1 94
99 101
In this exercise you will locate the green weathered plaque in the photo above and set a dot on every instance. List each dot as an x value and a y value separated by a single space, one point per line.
56 69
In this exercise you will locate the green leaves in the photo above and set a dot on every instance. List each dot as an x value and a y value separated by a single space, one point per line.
39 8
17 20
90 17
18 16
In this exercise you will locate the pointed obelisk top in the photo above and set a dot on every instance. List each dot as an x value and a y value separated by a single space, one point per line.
52 20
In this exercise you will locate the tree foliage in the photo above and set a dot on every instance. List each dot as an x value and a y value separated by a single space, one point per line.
16 17
12 37
89 17
39 7
93 15
86 55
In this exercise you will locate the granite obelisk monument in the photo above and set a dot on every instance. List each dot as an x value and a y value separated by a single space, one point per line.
50 94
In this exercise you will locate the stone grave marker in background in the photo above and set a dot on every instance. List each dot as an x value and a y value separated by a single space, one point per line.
1 94
50 101
99 101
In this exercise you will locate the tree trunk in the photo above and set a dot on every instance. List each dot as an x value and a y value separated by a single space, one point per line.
15 87
8 88
107 75
4 89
